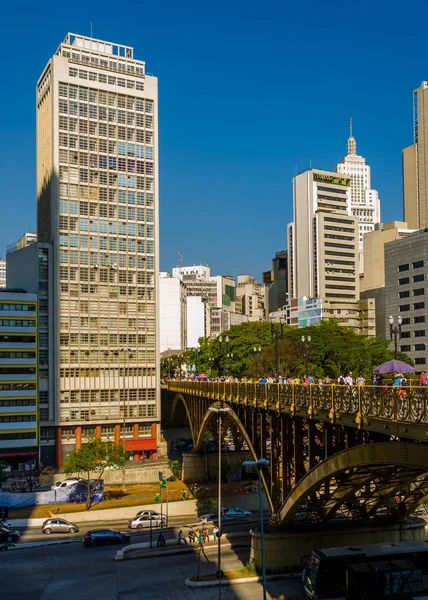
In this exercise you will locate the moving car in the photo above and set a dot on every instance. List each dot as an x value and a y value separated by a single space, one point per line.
66 483
144 513
208 518
58 526
99 537
141 521
236 512
8 535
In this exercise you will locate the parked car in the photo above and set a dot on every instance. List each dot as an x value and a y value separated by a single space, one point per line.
58 526
98 537
146 521
8 535
67 483
236 512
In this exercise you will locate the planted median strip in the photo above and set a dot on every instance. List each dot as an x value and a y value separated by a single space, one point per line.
247 574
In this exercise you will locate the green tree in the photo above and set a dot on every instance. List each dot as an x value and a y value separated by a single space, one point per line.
94 457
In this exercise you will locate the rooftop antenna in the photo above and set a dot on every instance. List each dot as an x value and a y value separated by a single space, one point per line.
180 259
350 126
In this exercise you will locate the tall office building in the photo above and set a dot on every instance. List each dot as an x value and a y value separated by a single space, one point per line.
323 238
365 204
415 164
97 188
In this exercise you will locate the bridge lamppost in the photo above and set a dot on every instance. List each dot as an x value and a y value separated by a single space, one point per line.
211 359
224 348
395 331
169 360
257 355
197 360
230 358
306 341
277 328
259 465
221 410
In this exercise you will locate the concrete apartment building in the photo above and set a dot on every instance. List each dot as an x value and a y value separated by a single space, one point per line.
251 298
31 267
97 189
406 276
18 379
415 164
218 290
198 320
365 204
172 313
276 281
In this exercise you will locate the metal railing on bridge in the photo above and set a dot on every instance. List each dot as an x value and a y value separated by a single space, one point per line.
360 404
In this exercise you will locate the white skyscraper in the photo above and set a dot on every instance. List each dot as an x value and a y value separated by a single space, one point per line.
97 187
365 204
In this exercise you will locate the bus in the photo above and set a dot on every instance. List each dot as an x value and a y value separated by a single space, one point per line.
328 569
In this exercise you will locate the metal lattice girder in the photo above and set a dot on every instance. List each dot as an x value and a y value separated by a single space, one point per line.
321 462
349 462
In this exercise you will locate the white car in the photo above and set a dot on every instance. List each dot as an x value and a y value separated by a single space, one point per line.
145 521
66 483
236 512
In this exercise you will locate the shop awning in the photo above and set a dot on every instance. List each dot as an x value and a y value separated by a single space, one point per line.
140 444
18 454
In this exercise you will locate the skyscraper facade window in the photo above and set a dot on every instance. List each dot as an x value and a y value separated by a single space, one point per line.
97 186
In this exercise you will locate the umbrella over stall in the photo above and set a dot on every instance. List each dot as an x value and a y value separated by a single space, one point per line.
394 366
202 376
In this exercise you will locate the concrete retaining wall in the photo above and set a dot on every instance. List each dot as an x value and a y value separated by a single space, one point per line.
149 473
285 551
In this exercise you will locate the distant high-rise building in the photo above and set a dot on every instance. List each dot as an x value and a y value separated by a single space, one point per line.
172 313
365 204
415 164
323 238
218 290
276 281
2 273
97 189
251 297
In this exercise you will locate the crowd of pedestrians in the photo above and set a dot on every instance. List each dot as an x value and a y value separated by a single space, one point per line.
396 379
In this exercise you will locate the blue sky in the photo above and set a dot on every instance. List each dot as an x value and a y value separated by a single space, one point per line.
249 92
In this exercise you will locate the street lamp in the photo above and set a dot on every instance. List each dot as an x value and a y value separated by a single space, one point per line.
169 367
230 357
257 355
224 349
277 329
259 465
211 359
219 411
305 350
395 331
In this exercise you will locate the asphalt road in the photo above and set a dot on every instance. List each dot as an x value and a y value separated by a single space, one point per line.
74 572
34 534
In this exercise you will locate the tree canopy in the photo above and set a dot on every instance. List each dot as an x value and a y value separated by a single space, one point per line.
333 350
94 456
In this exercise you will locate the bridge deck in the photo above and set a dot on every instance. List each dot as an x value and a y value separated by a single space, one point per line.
400 411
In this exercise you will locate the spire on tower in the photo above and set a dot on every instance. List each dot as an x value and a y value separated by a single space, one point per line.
351 145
